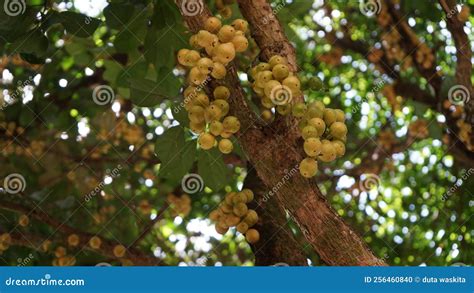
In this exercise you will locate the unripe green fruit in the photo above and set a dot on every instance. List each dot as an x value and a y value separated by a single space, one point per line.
231 124
315 84
248 193
299 110
223 105
328 153
280 71
308 167
270 86
226 33
312 147
339 147
329 116
340 116
309 131
252 236
338 130
318 124
240 209
242 227
277 59
314 113
218 71
221 93
206 141
212 24
240 43
241 25
225 146
204 65
317 105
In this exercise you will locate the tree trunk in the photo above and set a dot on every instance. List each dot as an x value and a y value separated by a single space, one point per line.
276 152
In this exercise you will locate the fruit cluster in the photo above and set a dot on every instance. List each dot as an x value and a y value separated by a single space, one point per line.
62 258
180 205
5 242
275 85
324 132
322 128
233 211
214 48
223 6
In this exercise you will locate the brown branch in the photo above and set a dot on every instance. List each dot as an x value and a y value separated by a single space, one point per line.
274 154
107 246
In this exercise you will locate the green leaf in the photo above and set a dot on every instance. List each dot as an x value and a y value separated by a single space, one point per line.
212 169
118 14
148 93
79 24
176 155
34 43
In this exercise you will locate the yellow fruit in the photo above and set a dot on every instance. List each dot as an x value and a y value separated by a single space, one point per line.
329 116
312 146
60 252
232 220
221 93
280 72
196 114
205 65
277 59
73 240
240 43
226 146
328 153
221 229
248 193
212 113
205 38
292 82
226 33
270 87
242 227
284 109
263 67
119 250
239 198
225 53
240 209
197 127
181 56
223 105
267 115
226 12
339 147
308 167
212 24
191 58
309 131
214 215
252 236
231 124
206 141
338 130
193 41
218 71
251 218
23 220
216 128
318 124
95 242
196 76
340 116
241 25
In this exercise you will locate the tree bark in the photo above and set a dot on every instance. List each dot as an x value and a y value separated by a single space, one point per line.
276 153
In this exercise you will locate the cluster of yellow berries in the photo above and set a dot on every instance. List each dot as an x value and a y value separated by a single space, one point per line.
233 211
276 86
214 48
180 205
5 242
62 258
324 132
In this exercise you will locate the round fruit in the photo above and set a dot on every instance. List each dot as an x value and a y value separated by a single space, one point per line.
329 116
223 105
212 24
206 141
119 250
23 220
215 128
280 71
284 109
197 127
339 147
191 58
309 131
263 66
239 198
181 56
251 218
226 33
218 71
212 113
338 130
204 65
252 236
222 93
214 215
292 82
315 84
232 220
226 146
95 242
242 227
277 59
312 146
248 193
231 124
240 209
267 115
318 124
299 110
308 167
241 25
270 86
221 229
73 240
196 76
240 43
328 153
340 116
